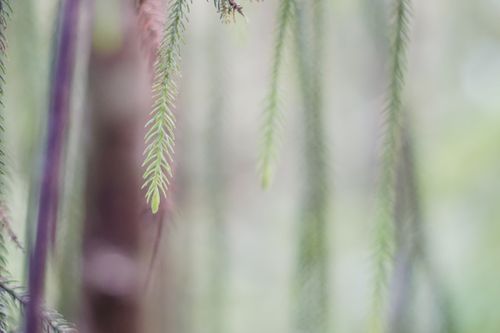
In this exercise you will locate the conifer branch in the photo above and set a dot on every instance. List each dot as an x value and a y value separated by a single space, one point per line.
408 237
160 137
227 9
53 322
5 11
416 241
393 116
272 117
312 268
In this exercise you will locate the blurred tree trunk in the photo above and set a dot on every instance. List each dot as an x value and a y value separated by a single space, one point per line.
119 101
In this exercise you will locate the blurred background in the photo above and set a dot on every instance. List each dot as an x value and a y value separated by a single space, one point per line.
227 258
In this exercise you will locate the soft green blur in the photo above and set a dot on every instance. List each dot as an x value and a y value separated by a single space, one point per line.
452 93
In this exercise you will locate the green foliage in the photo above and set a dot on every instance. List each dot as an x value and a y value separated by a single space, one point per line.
385 219
160 137
312 268
5 11
53 322
228 9
272 116
412 252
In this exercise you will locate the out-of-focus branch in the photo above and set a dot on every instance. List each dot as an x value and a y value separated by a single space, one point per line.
56 131
51 321
119 100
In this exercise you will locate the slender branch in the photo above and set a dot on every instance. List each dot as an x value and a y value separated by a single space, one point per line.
311 290
160 138
272 117
5 11
49 193
385 219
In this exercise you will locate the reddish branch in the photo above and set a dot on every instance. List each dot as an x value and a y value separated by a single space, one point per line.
236 7
119 101
151 17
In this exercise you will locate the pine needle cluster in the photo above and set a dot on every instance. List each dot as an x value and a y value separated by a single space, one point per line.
272 117
393 117
160 137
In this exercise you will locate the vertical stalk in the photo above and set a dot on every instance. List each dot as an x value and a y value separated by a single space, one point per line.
411 251
71 212
49 192
4 12
387 215
33 72
408 235
311 296
272 116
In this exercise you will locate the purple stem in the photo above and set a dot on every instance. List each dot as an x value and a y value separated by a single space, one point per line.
58 115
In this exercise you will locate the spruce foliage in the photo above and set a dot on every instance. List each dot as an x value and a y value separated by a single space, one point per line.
5 11
393 117
52 321
272 117
398 224
160 137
